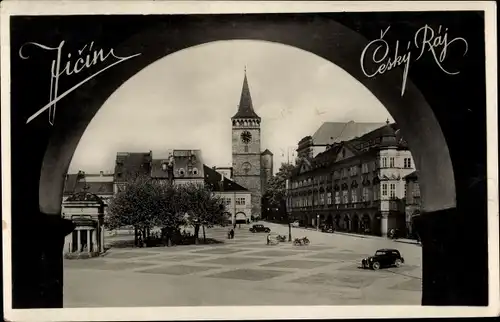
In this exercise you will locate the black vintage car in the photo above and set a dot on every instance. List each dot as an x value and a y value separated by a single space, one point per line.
259 229
383 258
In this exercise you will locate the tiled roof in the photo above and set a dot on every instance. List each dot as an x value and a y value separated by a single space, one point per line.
331 132
266 151
185 160
157 170
98 188
129 164
385 129
245 108
213 180
413 175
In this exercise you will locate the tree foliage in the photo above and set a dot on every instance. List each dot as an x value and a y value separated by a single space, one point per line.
205 209
139 205
276 187
147 203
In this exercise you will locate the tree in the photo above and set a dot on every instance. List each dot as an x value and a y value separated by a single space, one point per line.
204 208
144 204
172 206
275 194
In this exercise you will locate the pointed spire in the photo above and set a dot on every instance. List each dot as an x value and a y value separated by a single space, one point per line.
245 108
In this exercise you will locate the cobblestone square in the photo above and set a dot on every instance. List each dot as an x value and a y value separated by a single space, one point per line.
245 271
176 270
232 260
305 264
249 274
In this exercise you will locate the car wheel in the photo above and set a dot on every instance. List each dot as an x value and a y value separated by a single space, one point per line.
375 265
397 262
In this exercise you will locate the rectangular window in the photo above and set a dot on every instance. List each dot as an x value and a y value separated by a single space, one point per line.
393 190
337 197
321 198
391 162
240 201
384 189
364 168
228 201
345 197
354 195
246 148
407 163
366 195
384 162
416 190
329 197
405 190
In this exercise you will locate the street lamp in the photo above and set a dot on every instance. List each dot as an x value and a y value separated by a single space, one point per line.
317 222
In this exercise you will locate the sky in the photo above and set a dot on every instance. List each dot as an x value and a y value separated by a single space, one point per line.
186 100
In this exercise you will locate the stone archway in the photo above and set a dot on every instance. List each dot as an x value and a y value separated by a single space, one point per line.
424 136
329 220
367 224
415 225
347 224
355 226
337 221
411 112
240 218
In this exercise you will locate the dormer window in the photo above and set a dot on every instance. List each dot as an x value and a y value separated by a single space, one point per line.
181 171
164 166
195 171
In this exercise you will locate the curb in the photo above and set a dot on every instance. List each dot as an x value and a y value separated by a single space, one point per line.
360 236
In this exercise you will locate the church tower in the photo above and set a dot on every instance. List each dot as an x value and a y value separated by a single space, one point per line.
246 152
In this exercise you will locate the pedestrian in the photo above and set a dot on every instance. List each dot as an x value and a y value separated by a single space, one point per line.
232 233
268 238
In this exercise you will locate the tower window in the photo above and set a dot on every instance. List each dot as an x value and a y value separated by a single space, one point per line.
246 148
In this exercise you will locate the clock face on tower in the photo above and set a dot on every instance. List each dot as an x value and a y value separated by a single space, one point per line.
246 167
246 137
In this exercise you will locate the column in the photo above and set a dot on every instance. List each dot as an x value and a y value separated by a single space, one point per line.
384 224
95 247
101 241
88 241
68 243
78 240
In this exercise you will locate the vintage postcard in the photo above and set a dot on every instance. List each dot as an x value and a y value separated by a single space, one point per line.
205 160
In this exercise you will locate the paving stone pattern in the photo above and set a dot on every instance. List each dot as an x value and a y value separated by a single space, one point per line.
248 266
